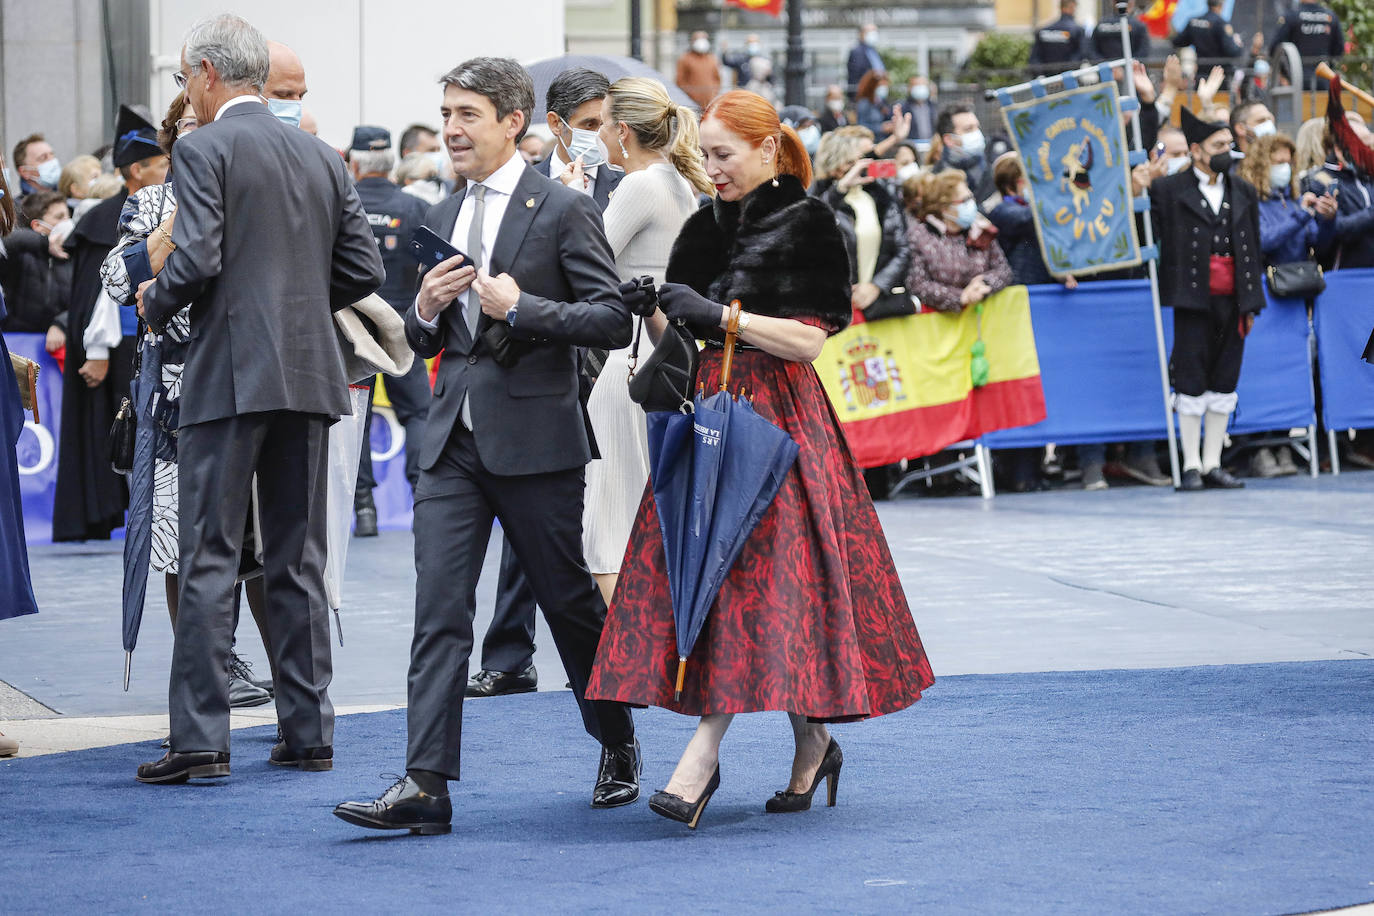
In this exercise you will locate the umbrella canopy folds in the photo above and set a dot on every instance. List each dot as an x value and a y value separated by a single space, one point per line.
613 68
138 529
715 472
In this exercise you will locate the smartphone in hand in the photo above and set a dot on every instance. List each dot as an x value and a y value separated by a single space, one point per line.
883 168
427 247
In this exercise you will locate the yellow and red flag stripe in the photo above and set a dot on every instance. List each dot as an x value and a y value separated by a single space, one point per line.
902 387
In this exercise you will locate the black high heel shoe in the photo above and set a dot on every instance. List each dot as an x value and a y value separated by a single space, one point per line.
787 801
676 808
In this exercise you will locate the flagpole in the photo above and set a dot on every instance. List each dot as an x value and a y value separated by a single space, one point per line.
1153 266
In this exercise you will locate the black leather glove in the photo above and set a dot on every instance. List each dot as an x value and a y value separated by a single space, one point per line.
639 297
681 302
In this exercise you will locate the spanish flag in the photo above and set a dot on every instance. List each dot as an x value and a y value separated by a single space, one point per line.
904 387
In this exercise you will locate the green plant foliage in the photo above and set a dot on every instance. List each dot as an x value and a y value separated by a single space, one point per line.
1357 17
999 52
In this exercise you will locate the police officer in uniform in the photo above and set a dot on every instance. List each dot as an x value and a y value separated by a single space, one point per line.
1106 37
1207 221
1317 33
1211 37
1060 44
394 216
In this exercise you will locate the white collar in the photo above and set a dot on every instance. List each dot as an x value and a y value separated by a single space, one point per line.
505 178
1204 180
236 100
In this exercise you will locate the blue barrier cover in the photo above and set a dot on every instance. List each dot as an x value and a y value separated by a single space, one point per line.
1344 316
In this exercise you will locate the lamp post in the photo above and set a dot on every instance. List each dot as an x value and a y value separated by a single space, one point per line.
636 24
795 91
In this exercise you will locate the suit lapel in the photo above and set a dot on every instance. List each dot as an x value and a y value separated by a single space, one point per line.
520 212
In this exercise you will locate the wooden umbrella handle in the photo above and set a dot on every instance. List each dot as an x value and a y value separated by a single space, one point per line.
1325 72
731 332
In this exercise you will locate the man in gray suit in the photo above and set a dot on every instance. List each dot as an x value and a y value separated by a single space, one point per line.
270 239
505 437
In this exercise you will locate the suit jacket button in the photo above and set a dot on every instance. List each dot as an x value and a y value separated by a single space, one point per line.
472 360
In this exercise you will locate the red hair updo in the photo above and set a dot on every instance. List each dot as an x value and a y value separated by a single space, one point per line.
749 116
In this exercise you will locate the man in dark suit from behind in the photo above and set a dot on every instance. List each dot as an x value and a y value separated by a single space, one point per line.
506 437
573 103
269 240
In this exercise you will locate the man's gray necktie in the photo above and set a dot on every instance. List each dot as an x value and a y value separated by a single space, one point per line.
479 212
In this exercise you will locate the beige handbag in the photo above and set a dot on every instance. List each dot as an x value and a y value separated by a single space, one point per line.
373 339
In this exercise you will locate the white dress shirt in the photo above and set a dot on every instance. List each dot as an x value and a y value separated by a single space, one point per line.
236 100
558 164
1212 192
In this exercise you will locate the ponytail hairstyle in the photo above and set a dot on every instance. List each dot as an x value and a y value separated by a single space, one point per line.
750 117
6 204
660 124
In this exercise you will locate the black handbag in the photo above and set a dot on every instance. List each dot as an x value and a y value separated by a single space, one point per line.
1296 280
666 379
122 438
890 304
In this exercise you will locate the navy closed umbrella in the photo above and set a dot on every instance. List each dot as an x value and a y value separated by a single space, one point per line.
715 471
138 529
613 68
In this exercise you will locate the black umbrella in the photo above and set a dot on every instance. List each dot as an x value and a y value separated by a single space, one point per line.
138 533
613 68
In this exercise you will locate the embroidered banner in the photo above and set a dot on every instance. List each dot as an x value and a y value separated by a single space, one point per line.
1073 149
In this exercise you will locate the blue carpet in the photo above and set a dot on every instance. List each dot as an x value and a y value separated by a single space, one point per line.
1197 790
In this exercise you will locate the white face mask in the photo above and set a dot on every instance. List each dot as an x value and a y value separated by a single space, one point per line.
966 212
810 136
753 48
1281 175
835 105
1175 164
585 143
288 111
440 159
49 172
880 93
974 143
1263 129
910 170
605 154
701 45
920 93
871 38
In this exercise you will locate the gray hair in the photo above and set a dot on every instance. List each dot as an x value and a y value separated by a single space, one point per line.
837 151
416 166
503 82
372 161
236 49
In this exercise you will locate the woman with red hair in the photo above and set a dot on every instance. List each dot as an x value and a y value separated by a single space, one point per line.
811 618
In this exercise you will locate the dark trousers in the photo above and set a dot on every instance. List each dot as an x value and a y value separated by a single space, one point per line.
455 504
215 466
410 396
509 643
1207 348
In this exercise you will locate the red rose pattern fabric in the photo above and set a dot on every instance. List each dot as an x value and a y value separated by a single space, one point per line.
812 618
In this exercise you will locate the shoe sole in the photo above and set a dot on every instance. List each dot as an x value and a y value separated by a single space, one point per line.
415 829
252 703
205 771
308 766
628 801
504 693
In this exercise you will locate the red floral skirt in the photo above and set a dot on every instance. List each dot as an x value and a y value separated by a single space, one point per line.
811 619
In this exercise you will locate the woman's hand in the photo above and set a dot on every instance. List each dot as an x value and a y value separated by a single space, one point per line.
976 291
573 176
863 295
1326 206
1207 89
855 176
55 340
679 301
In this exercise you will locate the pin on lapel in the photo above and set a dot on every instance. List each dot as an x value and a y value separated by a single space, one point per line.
530 203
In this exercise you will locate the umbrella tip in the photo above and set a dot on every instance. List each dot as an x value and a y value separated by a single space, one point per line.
128 664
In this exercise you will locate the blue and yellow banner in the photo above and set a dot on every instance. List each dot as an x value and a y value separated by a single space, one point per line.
1073 148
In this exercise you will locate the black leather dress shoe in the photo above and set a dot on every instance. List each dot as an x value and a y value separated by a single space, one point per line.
404 806
365 523
500 683
311 760
174 767
243 694
1221 479
241 668
1190 481
617 779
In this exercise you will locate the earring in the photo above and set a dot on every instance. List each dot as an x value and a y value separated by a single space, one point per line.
623 151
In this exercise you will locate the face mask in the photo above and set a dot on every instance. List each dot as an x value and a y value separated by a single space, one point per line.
1261 67
701 46
910 170
1221 162
871 38
288 111
440 159
966 213
49 172
880 93
605 155
920 93
1263 129
810 137
1176 164
585 143
835 105
1281 175
974 143
753 48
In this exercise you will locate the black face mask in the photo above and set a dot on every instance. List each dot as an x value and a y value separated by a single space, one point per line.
1221 162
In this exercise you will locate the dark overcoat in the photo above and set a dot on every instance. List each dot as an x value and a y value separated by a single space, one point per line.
1183 231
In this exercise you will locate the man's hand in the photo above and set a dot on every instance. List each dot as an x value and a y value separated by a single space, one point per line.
94 372
56 339
1173 74
1207 89
443 283
497 294
863 295
138 296
55 246
1326 206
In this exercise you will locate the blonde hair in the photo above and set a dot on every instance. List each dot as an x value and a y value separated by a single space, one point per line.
1254 168
107 185
659 123
937 192
837 150
81 169
1311 146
